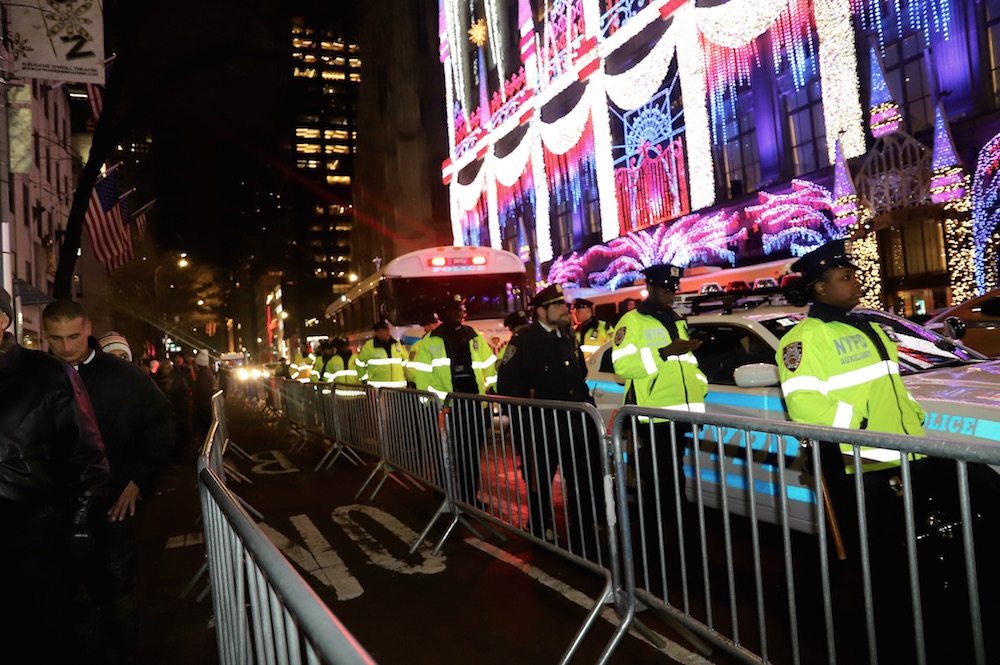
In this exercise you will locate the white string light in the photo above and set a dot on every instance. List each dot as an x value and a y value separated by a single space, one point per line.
543 234
737 22
467 196
496 43
604 165
691 69
561 135
838 66
633 88
492 214
508 169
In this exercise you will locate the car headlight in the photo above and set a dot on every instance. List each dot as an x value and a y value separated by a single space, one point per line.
255 373
243 374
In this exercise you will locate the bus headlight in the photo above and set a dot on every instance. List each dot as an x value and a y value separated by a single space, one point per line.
243 374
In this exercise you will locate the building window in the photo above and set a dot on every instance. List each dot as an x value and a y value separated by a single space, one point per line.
355 77
338 180
738 160
334 75
807 128
306 133
914 248
330 134
355 62
307 148
308 73
336 149
906 73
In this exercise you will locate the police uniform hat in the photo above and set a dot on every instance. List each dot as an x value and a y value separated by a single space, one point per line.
550 295
340 342
582 302
430 320
665 275
453 301
6 305
381 324
834 254
516 319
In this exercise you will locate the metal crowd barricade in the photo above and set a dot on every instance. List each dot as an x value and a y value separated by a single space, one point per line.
504 454
356 418
807 610
264 611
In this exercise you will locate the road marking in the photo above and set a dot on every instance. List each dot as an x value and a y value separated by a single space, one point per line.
376 552
267 459
671 648
317 558
185 539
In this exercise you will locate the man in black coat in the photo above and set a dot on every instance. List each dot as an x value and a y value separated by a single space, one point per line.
544 361
52 473
137 424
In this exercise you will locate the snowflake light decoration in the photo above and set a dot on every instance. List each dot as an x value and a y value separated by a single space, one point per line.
477 33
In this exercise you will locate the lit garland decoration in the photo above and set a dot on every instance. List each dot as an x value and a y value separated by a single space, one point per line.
543 232
509 168
564 133
459 66
496 241
473 233
603 159
514 200
627 18
477 33
467 196
573 172
838 68
927 16
845 197
496 43
947 175
799 221
653 187
864 251
986 215
563 33
730 33
633 88
691 69
885 116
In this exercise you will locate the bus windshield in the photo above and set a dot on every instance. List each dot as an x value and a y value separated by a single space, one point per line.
408 300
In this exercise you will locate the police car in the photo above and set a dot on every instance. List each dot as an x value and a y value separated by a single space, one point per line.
957 387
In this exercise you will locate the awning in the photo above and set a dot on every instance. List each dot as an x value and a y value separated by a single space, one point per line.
30 295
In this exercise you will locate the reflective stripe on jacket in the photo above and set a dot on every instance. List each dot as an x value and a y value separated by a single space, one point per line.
832 374
675 383
379 369
593 337
432 367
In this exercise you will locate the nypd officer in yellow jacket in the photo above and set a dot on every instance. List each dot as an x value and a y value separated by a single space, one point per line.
653 352
343 366
840 370
429 323
381 359
591 332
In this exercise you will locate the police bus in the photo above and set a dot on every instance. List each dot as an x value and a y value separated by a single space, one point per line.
410 287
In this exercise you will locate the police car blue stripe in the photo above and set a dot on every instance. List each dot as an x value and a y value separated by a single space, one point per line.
988 429
606 386
759 402
410 341
795 493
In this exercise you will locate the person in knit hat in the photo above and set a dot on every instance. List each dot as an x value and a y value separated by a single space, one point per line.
115 344
201 394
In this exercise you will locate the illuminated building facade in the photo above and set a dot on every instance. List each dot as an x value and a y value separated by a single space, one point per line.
594 137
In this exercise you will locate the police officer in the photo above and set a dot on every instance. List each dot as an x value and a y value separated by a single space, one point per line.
381 360
543 361
514 322
429 323
653 352
455 358
840 370
591 332
343 365
322 369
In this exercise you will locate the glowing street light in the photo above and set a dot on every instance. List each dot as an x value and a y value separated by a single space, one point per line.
183 263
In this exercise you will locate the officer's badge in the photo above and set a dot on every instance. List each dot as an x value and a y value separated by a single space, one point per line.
619 336
508 354
475 345
792 356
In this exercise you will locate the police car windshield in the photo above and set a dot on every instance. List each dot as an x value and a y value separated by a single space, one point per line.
919 349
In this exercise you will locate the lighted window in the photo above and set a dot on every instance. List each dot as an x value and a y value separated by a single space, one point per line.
337 210
307 163
806 127
906 74
307 148
354 48
318 210
306 133
336 149
339 61
738 158
309 73
332 46
299 42
329 134
355 62
333 166
355 77
333 76
309 57
342 227
338 180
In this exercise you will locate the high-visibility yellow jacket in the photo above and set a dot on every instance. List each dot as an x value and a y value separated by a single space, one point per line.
433 367
832 373
380 369
591 335
335 370
408 370
301 366
674 383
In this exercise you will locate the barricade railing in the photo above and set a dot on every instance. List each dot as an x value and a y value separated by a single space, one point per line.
505 454
411 436
264 611
356 418
896 529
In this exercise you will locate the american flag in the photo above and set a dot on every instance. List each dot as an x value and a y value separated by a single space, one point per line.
117 261
140 225
95 92
104 220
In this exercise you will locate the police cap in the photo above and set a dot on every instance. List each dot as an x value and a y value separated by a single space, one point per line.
665 275
340 342
550 295
430 320
834 254
381 324
516 319
582 302
452 301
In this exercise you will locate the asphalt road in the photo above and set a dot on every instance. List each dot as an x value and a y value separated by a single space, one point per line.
487 602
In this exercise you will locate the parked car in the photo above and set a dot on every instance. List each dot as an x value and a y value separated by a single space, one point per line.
978 324
955 385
